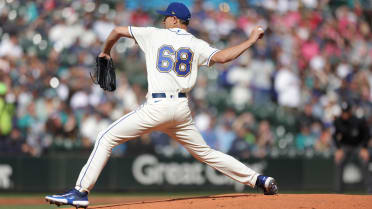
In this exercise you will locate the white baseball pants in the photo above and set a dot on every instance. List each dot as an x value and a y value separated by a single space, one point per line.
171 116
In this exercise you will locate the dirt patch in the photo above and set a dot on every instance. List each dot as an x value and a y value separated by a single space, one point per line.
227 201
254 201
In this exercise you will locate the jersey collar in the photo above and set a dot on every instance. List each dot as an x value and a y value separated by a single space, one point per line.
179 31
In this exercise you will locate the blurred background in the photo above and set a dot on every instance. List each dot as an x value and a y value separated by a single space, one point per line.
274 107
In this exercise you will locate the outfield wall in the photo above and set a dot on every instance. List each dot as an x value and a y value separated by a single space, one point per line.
154 173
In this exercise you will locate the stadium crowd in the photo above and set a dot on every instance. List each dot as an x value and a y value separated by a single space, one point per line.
279 98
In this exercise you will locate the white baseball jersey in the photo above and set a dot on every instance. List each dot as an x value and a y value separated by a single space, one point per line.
173 57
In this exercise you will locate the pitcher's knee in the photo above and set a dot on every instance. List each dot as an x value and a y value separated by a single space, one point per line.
105 137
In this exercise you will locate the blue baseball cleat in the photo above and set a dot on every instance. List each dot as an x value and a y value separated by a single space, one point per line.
72 197
268 184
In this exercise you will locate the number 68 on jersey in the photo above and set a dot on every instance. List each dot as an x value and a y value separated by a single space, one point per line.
181 64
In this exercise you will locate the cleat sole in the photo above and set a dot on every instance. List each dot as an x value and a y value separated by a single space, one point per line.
58 204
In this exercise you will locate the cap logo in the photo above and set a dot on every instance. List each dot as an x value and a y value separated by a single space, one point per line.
173 13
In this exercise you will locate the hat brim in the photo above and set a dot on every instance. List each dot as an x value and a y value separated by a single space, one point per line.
164 13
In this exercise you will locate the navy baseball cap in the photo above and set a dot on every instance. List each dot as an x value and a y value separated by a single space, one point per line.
178 10
346 106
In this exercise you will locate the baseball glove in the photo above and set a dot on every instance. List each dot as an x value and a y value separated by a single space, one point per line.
104 74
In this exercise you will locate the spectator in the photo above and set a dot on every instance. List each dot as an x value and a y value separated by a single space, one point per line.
6 111
225 135
209 134
240 148
287 85
91 125
304 140
240 77
262 71
17 145
265 139
306 117
244 142
10 47
102 27
323 144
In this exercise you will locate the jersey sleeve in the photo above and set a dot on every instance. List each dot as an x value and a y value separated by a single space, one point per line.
142 35
206 52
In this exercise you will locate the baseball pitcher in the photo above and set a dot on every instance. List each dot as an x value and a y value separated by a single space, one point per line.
173 57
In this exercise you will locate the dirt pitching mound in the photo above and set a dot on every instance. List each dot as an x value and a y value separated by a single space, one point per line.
252 201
